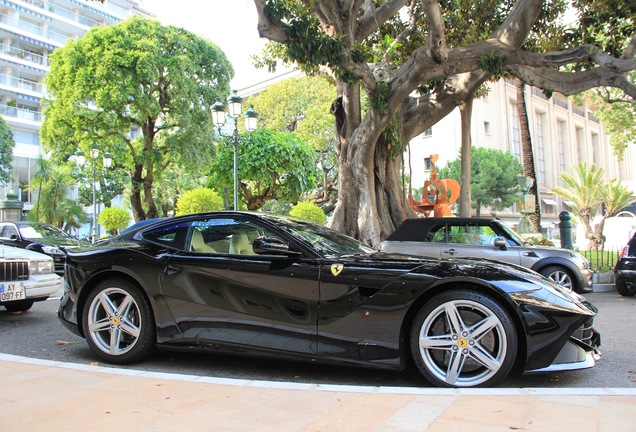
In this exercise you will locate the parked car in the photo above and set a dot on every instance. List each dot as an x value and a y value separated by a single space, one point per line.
26 277
263 285
489 239
625 269
40 237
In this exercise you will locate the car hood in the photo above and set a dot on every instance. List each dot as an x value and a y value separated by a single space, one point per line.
7 252
62 243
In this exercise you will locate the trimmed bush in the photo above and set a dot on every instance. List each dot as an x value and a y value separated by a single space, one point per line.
114 218
310 211
199 200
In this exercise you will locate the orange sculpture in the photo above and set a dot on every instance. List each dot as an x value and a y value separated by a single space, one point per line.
435 195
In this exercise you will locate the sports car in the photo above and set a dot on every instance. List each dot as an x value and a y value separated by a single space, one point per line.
263 285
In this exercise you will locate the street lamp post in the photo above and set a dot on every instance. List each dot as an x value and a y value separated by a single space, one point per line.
218 118
107 160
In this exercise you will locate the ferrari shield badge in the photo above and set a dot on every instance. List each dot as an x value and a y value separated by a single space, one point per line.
336 269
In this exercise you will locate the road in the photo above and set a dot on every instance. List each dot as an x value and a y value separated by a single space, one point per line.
38 334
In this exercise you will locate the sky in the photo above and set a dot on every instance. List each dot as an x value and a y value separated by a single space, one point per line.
230 24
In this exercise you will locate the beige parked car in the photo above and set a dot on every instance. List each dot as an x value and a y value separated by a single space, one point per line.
26 277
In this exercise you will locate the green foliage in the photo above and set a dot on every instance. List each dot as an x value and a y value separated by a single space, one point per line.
199 200
493 177
310 211
493 64
53 204
6 152
114 218
136 75
272 165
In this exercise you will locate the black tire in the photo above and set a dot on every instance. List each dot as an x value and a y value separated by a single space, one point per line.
561 276
622 289
18 306
483 355
118 323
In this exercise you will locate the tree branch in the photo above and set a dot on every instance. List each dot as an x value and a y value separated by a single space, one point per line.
268 29
437 35
370 21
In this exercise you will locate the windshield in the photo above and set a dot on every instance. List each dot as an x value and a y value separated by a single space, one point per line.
326 241
43 231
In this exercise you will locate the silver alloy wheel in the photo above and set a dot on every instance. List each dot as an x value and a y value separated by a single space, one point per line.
561 278
114 321
462 343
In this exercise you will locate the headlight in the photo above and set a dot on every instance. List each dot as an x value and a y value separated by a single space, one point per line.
580 261
41 267
52 250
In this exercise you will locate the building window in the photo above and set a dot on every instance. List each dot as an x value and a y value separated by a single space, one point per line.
560 136
26 137
596 157
428 165
540 147
428 132
515 141
487 128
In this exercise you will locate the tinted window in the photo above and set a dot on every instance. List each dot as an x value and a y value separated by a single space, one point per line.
224 236
173 236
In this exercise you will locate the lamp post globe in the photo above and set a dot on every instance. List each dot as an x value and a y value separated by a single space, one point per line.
235 103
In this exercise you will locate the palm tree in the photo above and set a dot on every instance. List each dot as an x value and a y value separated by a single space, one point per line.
43 172
586 190
53 196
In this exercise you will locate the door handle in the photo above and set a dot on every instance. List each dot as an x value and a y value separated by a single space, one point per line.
450 251
169 270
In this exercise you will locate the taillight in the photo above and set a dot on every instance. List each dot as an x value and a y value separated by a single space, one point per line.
624 251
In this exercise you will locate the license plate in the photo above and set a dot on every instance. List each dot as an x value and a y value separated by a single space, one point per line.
11 291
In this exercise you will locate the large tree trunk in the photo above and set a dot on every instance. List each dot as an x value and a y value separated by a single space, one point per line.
136 205
465 201
371 176
528 155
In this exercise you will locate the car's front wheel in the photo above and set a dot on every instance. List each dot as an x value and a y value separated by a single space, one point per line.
118 322
560 276
463 338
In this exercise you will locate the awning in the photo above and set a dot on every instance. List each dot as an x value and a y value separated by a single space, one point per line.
29 98
37 42
25 66
568 203
94 10
549 201
25 10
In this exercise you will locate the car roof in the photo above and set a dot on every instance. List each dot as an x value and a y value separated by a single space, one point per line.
416 229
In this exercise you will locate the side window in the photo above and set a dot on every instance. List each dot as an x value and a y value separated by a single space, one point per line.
8 231
464 234
437 234
224 236
487 235
173 236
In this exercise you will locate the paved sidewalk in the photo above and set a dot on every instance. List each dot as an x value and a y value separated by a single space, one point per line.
40 395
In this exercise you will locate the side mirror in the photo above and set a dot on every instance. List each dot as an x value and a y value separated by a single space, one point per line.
272 246
500 242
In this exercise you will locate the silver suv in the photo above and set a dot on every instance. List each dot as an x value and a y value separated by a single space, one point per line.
490 239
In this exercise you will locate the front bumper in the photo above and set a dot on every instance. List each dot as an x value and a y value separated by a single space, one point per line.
581 351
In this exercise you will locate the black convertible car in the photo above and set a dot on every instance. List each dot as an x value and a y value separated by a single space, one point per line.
263 285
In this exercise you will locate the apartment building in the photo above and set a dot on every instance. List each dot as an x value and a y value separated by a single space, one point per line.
564 135
29 31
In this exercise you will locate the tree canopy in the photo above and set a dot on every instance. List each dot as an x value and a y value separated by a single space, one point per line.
272 166
6 152
141 91
415 63
493 179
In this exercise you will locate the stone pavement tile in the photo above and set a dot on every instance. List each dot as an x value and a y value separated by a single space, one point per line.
617 414
362 413
496 411
417 415
568 413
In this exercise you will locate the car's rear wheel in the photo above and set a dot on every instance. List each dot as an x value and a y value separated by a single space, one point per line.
623 289
118 322
463 339
559 275
18 306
